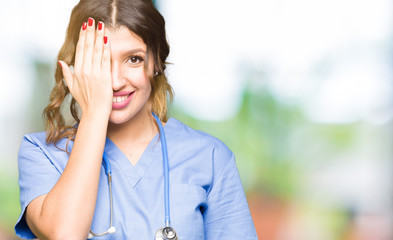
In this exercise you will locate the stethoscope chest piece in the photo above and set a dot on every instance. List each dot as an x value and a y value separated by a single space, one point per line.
166 233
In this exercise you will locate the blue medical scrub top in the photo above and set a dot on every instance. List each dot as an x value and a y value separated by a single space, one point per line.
207 199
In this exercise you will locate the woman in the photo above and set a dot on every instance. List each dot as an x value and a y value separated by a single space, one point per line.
117 49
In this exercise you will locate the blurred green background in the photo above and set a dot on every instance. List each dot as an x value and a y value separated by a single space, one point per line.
299 90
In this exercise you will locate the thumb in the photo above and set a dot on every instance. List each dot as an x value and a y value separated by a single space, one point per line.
67 74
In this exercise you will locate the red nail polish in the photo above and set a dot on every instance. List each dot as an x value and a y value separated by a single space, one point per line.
100 25
60 64
90 22
105 39
84 26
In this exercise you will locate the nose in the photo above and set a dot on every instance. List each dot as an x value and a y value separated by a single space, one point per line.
118 80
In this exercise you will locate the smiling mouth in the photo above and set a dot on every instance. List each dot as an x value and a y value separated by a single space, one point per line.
119 99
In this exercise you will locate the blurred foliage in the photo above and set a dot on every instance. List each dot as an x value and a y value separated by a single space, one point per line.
272 140
43 84
9 200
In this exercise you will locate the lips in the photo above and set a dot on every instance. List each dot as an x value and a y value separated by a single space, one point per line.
121 99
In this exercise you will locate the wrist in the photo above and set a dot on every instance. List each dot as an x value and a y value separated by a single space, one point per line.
93 124
97 115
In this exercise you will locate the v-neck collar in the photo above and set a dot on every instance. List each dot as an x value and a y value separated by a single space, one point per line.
135 173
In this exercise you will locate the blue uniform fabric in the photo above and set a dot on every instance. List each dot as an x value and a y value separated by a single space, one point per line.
207 199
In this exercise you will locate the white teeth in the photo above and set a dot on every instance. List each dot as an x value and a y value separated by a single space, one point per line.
119 99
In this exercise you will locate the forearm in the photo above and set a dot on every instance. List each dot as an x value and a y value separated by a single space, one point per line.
69 206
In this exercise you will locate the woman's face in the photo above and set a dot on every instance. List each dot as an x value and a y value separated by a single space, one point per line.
131 86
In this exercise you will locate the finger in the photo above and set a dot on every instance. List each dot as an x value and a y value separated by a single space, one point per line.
67 74
80 47
98 47
106 59
89 44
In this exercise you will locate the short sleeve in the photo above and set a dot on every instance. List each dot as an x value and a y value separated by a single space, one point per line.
227 215
37 176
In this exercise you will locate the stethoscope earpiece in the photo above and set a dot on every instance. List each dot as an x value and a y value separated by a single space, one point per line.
112 229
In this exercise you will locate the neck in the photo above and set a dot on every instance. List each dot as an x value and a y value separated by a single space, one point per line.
139 128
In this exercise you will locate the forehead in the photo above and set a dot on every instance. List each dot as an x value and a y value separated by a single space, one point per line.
123 39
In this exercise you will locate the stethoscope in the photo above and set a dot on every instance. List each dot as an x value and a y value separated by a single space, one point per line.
165 233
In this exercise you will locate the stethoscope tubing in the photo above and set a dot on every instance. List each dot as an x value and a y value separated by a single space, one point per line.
108 171
166 170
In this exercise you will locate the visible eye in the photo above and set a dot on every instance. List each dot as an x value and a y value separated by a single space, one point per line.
135 59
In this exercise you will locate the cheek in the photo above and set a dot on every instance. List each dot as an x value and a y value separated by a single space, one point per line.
144 84
139 79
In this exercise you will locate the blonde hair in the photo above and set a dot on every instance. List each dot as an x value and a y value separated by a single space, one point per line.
140 17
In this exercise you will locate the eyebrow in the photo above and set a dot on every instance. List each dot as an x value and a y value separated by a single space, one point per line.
133 51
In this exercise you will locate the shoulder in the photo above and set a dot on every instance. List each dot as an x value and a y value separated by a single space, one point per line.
188 138
35 150
34 137
32 141
38 139
188 134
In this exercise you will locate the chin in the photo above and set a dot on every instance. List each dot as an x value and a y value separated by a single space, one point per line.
124 116
118 118
115 121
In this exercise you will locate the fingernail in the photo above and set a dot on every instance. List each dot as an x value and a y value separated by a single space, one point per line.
99 25
60 64
84 26
90 22
105 39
